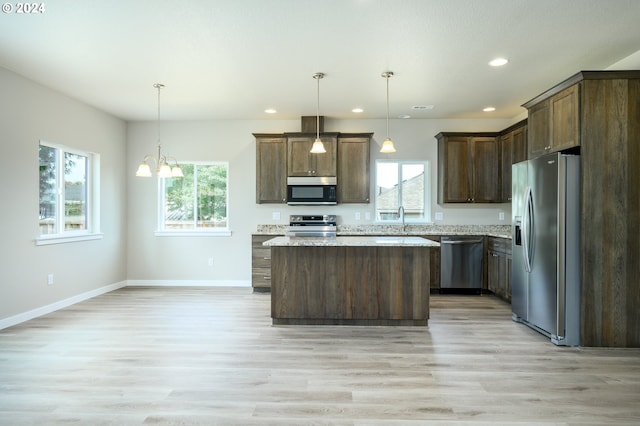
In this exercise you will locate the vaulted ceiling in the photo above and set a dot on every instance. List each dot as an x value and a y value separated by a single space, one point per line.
232 59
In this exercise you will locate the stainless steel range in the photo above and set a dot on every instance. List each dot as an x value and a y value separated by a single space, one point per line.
323 225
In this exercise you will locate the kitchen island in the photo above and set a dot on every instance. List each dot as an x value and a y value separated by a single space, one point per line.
350 280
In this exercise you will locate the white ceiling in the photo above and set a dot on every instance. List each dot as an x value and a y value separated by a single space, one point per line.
232 59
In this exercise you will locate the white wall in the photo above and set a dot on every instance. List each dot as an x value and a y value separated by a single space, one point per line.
30 112
160 260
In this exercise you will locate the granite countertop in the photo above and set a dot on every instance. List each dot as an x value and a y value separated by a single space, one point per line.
351 241
501 231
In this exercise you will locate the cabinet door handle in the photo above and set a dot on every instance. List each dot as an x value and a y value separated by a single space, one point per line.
266 258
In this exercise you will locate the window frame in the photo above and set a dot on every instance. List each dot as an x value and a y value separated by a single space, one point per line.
426 219
161 231
92 205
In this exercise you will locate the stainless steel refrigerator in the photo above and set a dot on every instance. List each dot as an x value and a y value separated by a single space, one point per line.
545 269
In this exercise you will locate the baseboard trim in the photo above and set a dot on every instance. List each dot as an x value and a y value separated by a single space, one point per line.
189 283
47 309
61 304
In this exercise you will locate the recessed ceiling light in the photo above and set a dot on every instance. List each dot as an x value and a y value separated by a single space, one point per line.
422 107
488 109
357 110
270 111
498 62
404 116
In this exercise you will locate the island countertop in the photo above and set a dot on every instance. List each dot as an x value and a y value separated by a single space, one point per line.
351 241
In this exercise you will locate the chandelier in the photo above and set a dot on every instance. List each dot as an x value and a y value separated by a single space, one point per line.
163 169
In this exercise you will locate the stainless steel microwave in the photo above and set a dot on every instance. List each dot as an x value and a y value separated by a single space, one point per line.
311 190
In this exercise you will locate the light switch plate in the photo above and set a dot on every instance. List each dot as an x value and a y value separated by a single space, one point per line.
439 216
501 216
275 215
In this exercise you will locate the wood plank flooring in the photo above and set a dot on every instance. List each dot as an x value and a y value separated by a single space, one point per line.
209 356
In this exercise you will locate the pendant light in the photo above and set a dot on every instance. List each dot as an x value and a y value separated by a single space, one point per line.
163 169
318 146
387 145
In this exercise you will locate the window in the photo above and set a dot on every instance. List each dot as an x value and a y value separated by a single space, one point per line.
68 199
402 183
196 203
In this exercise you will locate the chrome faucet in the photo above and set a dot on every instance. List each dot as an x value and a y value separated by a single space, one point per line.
401 216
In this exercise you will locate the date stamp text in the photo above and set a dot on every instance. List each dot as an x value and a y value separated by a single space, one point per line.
23 8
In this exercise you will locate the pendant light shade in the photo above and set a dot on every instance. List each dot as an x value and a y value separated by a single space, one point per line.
387 145
318 146
163 169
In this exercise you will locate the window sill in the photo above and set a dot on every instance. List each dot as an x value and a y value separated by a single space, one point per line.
44 240
220 233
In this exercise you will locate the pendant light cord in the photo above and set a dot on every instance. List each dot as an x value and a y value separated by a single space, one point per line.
387 77
158 86
318 76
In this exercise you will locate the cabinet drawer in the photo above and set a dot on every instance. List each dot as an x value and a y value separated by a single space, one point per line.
261 260
499 245
256 245
496 244
261 277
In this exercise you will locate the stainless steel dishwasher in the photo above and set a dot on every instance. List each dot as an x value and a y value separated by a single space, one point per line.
461 262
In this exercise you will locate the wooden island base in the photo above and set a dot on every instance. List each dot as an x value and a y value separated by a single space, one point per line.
350 285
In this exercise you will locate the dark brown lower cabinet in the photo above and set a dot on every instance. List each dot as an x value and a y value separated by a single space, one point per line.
434 277
260 263
499 267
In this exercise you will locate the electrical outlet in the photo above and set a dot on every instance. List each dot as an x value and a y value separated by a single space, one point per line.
275 215
439 216
211 261
357 215
367 215
50 279
501 216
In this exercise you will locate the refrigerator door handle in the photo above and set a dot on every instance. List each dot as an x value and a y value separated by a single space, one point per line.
527 229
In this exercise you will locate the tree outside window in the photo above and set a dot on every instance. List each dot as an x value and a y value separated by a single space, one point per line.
196 202
64 205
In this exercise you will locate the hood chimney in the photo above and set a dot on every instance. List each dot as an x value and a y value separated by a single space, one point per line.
309 124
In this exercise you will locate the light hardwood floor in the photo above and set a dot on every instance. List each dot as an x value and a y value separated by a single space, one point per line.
211 356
